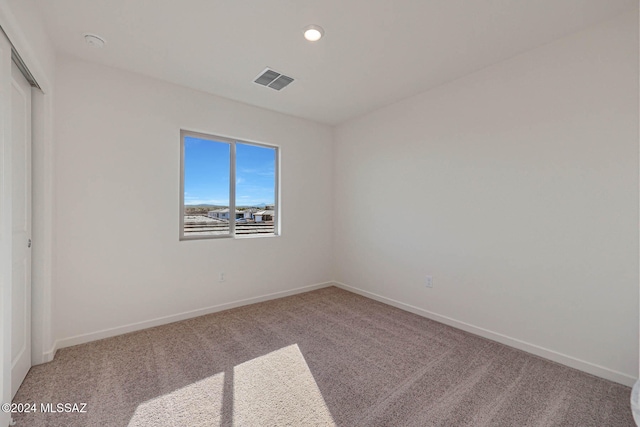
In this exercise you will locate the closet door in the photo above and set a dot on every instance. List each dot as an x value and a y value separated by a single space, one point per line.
21 228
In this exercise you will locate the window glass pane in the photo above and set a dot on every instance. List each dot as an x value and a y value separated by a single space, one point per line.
206 187
255 189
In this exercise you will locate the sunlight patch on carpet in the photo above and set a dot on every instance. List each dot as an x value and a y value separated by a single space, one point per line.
278 389
275 389
201 400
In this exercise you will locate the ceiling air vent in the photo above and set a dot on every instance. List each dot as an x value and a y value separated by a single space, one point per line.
273 79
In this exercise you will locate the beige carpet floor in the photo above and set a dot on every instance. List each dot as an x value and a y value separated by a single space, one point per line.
327 357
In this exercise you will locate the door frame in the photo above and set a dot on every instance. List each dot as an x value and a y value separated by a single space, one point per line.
42 344
6 241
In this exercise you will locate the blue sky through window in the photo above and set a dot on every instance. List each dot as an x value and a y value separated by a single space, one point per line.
255 175
206 173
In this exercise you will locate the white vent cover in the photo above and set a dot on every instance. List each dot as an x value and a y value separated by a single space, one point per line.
273 79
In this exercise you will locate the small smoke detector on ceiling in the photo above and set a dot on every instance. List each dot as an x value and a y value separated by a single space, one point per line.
273 79
94 40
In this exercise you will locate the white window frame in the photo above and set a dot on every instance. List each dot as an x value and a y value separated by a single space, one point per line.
232 186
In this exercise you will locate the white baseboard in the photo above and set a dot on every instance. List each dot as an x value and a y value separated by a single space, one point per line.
132 327
591 368
588 367
48 356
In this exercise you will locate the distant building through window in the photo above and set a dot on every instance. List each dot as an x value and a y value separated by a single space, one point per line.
229 188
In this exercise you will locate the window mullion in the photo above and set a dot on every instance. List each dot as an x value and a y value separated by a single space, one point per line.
232 191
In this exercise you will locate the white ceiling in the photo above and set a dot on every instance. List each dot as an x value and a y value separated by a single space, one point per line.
374 52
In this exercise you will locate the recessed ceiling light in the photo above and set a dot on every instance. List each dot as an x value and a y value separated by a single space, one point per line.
313 33
93 40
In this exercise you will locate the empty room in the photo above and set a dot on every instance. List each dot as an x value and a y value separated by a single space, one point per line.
319 213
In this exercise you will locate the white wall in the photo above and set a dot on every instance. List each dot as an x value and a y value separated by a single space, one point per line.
117 158
517 189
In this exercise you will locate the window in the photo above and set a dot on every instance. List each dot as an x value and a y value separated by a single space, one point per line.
229 188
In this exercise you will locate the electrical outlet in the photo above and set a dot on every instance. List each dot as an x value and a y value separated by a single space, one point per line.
429 282
222 277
